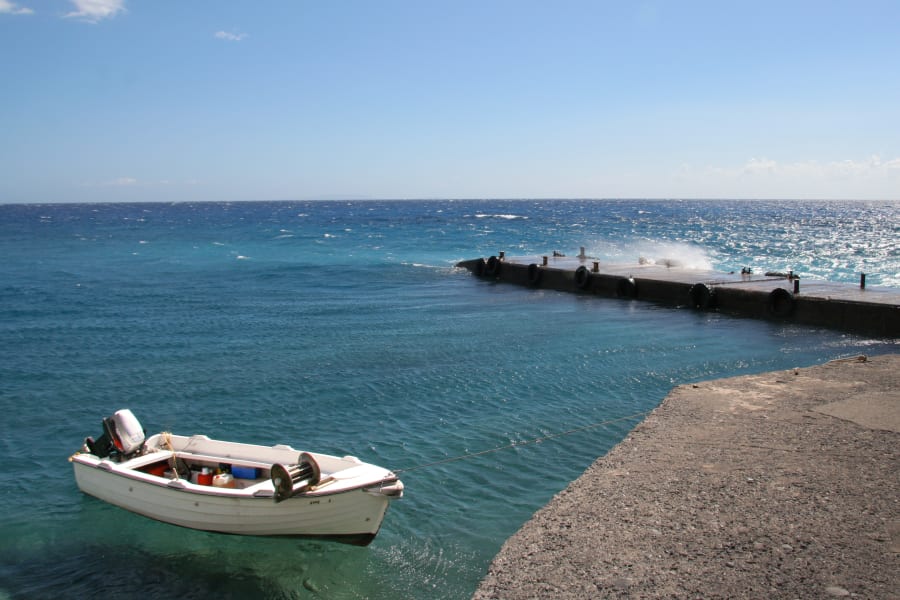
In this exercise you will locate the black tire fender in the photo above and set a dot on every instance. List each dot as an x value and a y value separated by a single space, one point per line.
493 267
702 297
534 274
582 277
626 288
781 302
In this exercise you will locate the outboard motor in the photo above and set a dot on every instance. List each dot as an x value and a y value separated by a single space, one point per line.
122 435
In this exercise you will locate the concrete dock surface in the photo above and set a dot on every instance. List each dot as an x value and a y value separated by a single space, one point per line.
779 485
759 280
784 297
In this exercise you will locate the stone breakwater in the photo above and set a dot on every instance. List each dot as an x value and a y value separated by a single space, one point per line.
778 485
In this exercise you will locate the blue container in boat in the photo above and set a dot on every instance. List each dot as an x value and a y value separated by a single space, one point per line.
244 472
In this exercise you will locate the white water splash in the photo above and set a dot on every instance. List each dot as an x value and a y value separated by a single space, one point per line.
671 254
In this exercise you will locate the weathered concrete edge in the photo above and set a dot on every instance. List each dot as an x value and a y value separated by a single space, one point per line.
560 553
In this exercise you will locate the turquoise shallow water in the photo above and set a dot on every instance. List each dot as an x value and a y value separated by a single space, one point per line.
343 327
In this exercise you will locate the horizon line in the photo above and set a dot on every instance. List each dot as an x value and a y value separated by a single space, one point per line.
350 198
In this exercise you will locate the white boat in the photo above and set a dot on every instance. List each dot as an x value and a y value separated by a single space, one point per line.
229 487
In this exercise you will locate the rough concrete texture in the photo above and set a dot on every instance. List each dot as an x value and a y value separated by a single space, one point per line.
779 485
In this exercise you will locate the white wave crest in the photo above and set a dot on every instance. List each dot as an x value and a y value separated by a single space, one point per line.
500 216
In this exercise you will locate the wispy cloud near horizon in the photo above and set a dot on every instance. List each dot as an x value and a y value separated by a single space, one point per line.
765 177
872 166
133 182
121 181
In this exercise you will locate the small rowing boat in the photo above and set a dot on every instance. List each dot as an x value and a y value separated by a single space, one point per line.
230 487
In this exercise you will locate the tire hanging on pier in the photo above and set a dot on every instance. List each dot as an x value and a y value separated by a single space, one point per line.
534 275
582 278
492 269
702 297
626 288
780 303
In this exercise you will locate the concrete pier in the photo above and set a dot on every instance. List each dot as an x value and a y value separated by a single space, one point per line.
781 296
777 485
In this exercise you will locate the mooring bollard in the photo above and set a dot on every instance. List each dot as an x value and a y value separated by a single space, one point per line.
596 267
545 260
862 281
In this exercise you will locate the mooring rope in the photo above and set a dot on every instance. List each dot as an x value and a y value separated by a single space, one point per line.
525 443
167 440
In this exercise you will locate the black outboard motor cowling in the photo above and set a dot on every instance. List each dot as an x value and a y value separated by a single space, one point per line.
103 445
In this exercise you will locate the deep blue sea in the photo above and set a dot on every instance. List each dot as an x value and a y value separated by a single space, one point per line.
343 327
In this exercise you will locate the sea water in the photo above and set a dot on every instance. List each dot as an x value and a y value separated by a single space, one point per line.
343 327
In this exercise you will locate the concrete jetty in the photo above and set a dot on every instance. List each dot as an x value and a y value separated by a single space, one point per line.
779 485
781 296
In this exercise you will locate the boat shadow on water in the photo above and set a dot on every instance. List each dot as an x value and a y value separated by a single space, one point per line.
126 555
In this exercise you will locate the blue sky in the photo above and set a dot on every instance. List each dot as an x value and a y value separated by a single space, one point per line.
154 100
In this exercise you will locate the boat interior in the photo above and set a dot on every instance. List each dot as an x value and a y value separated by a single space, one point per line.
203 470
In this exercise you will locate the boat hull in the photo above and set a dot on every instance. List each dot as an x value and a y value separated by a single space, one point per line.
350 515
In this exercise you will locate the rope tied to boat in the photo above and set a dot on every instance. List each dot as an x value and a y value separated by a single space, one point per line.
166 438
524 443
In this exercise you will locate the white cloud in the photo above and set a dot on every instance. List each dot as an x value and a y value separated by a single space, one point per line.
93 11
230 37
11 8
